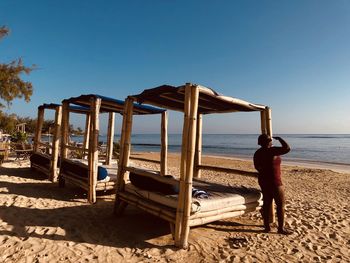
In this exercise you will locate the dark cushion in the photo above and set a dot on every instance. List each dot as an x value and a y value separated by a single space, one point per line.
102 173
82 170
150 184
40 160
75 168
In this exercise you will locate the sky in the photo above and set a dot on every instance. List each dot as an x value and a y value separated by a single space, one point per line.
293 56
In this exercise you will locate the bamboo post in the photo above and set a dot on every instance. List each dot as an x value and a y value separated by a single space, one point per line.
121 150
180 205
87 131
190 165
65 129
198 152
269 132
127 139
268 122
55 144
120 173
124 156
110 137
39 126
263 121
93 149
164 144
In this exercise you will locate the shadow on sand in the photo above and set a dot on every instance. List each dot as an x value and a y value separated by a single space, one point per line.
77 220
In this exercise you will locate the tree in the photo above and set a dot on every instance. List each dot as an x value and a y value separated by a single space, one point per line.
11 84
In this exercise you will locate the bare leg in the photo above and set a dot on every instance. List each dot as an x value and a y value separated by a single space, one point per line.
267 206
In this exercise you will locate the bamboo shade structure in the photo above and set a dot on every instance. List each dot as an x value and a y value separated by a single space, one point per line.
194 101
95 105
38 163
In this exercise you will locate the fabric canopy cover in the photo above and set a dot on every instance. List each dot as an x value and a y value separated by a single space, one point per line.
170 97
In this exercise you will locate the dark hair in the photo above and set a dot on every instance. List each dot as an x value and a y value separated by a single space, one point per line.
264 139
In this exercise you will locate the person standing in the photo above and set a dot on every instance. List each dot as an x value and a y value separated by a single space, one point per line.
267 162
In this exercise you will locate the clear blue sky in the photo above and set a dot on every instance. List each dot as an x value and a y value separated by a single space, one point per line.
291 55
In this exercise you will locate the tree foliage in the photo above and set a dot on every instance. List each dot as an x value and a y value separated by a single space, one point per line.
11 84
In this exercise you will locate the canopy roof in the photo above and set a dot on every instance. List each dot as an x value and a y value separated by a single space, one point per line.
112 105
170 97
53 106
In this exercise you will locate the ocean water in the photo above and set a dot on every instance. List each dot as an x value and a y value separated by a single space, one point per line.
325 148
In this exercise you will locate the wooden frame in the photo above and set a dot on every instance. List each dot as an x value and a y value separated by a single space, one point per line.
194 101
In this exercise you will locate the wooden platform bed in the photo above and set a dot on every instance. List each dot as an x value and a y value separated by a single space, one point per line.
182 209
223 201
77 173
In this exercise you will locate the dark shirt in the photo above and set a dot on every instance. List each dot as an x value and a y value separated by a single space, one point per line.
268 163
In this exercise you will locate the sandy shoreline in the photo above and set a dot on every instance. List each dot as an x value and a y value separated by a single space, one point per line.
43 223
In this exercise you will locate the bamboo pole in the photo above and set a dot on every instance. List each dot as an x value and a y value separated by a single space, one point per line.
198 152
269 132
263 121
189 165
110 137
180 206
124 152
127 140
164 144
65 130
121 150
55 144
268 122
93 149
39 126
87 131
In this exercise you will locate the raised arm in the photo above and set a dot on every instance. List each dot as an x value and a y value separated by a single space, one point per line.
285 148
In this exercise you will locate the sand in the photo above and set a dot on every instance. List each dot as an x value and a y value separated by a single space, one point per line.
40 222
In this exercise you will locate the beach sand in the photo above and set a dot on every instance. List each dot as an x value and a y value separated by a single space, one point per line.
40 222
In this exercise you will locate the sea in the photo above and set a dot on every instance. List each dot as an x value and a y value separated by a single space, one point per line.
319 148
